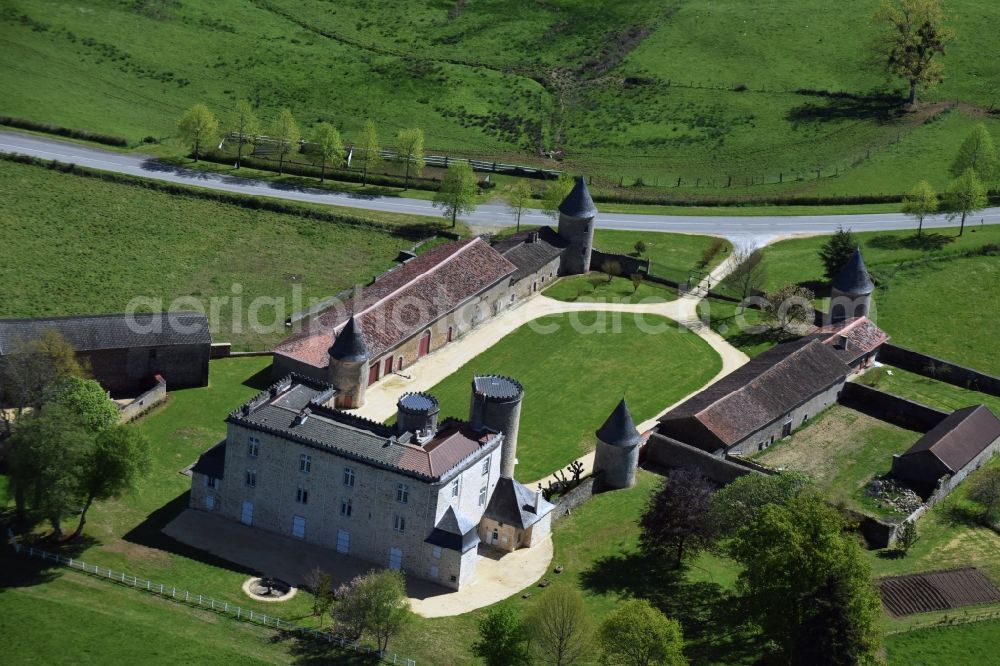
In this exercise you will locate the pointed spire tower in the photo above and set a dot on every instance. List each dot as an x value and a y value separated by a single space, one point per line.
617 457
576 226
348 370
851 290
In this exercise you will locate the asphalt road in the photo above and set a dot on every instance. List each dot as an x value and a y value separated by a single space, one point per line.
756 229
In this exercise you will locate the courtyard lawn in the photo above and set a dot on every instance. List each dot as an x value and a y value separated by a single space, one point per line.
574 368
672 256
77 245
743 329
841 450
949 309
595 288
931 392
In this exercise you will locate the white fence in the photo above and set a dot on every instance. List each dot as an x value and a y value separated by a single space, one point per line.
210 603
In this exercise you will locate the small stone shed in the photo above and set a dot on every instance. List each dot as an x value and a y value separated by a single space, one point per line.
515 517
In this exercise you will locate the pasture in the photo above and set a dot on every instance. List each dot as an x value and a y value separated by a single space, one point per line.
636 92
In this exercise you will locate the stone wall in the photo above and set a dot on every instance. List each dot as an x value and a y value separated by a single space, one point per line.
890 408
939 369
574 498
145 401
668 452
536 282
629 265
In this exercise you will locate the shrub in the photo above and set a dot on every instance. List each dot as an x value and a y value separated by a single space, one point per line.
84 135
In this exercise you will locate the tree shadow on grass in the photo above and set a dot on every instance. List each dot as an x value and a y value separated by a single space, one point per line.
867 106
927 242
22 570
715 630
314 651
150 533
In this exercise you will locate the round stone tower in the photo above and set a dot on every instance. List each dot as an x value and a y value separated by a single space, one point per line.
417 413
576 226
851 290
496 404
348 370
617 457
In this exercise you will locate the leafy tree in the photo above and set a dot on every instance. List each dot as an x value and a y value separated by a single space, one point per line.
119 456
503 638
457 194
370 149
676 519
285 133
919 203
636 634
966 196
245 125
88 401
349 612
907 537
738 503
611 268
640 248
198 126
518 199
836 252
560 628
555 193
978 153
329 148
788 308
807 585
32 370
46 450
984 490
913 36
376 603
410 149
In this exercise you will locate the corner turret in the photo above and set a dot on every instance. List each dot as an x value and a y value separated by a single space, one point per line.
496 404
348 370
576 226
617 456
851 290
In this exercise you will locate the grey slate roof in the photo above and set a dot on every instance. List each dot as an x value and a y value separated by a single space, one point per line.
350 344
212 462
853 278
454 531
619 429
529 251
513 504
497 386
112 331
281 411
578 202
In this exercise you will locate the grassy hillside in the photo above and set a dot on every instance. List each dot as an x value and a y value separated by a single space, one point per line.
638 89
76 245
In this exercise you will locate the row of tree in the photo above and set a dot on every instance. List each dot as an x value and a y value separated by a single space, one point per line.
804 581
66 448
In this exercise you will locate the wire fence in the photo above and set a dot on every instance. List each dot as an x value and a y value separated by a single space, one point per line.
210 603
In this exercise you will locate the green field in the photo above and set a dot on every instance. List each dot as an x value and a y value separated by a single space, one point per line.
671 256
573 380
930 392
629 90
744 330
959 645
78 245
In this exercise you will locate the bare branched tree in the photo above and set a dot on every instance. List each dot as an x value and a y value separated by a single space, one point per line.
560 628
747 275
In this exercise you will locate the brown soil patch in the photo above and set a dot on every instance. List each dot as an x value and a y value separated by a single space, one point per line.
936 590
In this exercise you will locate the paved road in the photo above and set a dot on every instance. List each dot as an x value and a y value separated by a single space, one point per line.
760 229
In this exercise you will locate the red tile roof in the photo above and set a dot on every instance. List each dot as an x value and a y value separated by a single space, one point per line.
405 300
863 337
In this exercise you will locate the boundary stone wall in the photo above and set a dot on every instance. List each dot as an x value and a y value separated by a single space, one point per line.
145 401
939 369
629 265
890 408
668 452
574 498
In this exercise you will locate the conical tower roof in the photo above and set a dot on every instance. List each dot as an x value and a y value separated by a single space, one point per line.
619 429
350 344
853 278
578 202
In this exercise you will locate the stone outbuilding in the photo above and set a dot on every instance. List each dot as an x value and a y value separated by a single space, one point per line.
516 516
617 457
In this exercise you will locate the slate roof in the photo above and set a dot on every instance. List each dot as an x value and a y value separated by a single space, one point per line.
350 344
578 202
529 251
212 462
862 337
404 301
754 395
853 278
513 504
497 387
112 331
959 438
280 411
454 531
619 429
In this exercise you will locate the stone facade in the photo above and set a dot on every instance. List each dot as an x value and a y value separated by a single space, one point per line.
788 423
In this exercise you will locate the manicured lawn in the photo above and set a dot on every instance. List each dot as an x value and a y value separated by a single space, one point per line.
76 245
949 309
841 450
701 91
596 288
957 645
931 392
574 369
672 256
744 330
